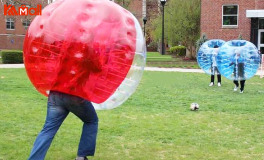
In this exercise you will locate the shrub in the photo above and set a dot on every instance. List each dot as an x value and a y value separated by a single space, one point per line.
152 47
12 56
178 51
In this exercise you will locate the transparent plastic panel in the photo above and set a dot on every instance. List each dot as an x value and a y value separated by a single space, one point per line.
130 83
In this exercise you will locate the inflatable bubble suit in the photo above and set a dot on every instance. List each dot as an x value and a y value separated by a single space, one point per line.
93 49
206 56
238 60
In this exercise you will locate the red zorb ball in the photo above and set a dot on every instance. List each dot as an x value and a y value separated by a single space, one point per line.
85 48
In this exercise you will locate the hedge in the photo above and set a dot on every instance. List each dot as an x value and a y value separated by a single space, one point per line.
12 56
152 47
178 51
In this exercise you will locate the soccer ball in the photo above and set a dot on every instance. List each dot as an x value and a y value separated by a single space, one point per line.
194 107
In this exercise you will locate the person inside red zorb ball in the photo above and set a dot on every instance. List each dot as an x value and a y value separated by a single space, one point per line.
84 55
85 49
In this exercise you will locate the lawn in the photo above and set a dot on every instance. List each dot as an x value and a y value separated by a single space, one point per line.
155 59
154 124
155 56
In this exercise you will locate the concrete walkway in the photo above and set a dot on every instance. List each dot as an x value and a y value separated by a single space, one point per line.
182 70
12 66
146 68
173 70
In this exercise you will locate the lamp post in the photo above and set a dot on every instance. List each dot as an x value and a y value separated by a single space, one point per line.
162 38
144 21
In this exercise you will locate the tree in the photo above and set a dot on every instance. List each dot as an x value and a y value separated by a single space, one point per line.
123 3
182 24
200 42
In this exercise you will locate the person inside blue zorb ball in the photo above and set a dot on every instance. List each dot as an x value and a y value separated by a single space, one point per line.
206 58
238 60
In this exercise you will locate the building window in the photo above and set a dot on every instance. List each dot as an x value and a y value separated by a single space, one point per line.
10 24
26 23
261 24
51 1
230 15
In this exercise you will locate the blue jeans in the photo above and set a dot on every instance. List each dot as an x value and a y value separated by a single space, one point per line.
59 106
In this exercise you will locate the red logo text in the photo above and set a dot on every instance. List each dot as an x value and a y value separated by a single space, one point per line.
10 10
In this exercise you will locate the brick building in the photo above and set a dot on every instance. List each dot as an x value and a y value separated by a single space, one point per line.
13 28
227 19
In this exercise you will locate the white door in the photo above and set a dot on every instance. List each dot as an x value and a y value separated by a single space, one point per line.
261 40
261 49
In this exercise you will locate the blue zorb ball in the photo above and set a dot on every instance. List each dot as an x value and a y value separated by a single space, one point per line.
238 60
206 56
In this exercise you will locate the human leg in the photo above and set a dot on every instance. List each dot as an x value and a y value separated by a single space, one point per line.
212 76
219 79
241 71
212 80
236 85
55 116
86 112
242 85
89 132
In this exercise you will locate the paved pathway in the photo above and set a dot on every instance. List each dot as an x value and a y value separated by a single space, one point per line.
173 69
179 70
12 66
146 68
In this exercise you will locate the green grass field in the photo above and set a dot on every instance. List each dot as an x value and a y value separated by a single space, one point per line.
155 56
155 123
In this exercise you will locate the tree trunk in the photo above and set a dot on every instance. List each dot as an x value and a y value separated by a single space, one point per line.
190 52
193 52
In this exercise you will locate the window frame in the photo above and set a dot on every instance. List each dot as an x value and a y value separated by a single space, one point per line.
26 20
259 19
237 15
11 20
51 1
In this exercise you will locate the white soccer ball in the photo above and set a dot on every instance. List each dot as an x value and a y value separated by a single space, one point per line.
194 107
